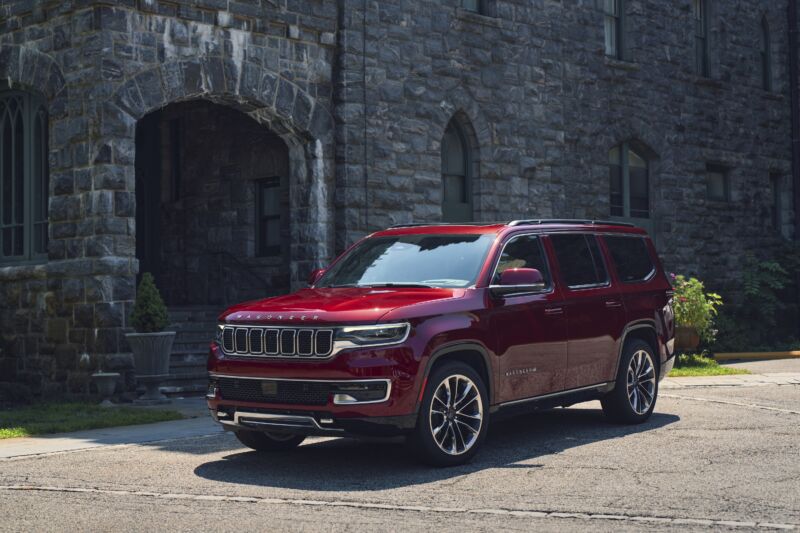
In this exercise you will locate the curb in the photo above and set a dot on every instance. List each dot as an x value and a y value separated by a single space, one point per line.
755 356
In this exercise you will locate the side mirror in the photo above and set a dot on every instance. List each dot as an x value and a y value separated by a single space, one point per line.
315 275
518 281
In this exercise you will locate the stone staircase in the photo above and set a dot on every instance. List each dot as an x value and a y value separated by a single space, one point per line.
195 328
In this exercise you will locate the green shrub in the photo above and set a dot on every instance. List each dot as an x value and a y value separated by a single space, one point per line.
694 307
149 312
765 317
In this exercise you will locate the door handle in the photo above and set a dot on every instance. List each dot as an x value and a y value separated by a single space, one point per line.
613 303
553 311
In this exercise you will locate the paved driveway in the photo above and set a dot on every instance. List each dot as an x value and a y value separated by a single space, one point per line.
710 458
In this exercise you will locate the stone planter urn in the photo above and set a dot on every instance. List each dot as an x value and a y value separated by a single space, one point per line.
687 339
151 345
105 382
151 362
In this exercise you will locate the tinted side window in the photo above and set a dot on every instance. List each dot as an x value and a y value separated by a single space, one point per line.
524 252
579 259
631 257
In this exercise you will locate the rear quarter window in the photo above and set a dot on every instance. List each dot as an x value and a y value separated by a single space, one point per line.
631 258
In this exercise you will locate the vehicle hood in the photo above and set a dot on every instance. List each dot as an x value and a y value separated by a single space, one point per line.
330 306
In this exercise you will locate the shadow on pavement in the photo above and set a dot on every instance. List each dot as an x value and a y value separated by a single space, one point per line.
353 465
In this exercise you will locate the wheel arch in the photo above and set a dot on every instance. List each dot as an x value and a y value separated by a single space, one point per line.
473 354
644 330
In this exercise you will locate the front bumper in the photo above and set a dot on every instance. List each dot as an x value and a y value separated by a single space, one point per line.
319 423
332 414
666 367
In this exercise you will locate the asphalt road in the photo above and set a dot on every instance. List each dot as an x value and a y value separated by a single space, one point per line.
710 458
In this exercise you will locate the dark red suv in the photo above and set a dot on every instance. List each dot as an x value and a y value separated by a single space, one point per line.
428 331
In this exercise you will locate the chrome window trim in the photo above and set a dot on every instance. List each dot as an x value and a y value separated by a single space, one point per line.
550 288
388 382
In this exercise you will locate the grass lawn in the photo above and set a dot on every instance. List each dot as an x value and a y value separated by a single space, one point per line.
44 418
697 365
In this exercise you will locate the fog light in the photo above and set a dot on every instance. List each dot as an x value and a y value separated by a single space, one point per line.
211 392
361 392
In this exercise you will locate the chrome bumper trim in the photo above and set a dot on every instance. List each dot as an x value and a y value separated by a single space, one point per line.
381 380
245 419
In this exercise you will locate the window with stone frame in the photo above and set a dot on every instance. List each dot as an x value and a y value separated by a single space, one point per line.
717 183
613 25
457 171
766 56
700 12
24 182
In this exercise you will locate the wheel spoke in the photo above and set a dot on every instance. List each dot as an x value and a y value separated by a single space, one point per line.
464 394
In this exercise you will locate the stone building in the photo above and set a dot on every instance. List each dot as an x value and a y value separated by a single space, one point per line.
230 146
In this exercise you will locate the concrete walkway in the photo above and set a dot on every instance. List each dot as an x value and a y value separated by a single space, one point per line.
199 425
775 372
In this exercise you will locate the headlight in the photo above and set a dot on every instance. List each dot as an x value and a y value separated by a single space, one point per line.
379 335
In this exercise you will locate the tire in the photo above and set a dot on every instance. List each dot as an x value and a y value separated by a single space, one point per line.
448 434
636 384
269 441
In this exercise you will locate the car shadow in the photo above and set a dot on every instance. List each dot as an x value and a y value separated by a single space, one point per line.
361 465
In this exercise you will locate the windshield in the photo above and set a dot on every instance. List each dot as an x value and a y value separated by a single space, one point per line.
411 260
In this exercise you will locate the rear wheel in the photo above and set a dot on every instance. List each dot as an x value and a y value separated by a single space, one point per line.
453 417
634 396
268 441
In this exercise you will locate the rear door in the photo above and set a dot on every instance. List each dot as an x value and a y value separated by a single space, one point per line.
594 307
530 328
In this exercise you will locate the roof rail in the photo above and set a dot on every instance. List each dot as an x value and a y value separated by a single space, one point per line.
420 224
532 222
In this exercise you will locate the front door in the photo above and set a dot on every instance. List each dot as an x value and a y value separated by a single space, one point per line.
594 306
531 328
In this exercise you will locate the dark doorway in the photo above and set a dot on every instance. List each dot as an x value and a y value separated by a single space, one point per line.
212 205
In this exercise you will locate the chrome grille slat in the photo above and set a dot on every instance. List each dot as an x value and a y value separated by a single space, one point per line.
283 342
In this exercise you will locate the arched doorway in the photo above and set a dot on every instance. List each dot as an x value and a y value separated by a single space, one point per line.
212 205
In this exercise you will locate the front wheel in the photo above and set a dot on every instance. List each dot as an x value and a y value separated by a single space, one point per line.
453 417
634 396
268 441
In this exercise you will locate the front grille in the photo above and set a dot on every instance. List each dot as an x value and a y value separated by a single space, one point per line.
277 342
275 391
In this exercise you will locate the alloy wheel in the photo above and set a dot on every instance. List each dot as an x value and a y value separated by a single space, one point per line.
456 414
641 381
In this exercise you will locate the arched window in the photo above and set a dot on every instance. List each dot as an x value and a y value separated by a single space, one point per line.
23 177
766 56
629 178
457 175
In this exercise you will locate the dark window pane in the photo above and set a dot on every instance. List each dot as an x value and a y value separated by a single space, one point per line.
717 184
639 192
19 169
631 257
269 217
7 159
576 259
524 252
471 5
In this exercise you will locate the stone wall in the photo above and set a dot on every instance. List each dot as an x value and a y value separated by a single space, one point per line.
547 105
102 68
360 93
